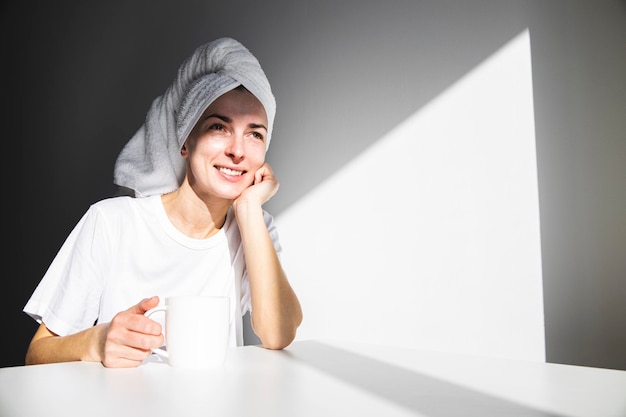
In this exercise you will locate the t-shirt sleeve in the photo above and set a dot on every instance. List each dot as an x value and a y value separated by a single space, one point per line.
67 297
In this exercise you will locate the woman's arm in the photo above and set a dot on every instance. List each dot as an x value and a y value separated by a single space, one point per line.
124 342
276 311
48 347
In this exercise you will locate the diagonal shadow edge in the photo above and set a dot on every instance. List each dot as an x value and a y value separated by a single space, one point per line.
299 186
409 389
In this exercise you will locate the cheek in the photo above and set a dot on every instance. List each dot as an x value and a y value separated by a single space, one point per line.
207 147
257 156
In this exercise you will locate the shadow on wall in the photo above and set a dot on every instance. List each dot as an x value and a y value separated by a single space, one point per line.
449 257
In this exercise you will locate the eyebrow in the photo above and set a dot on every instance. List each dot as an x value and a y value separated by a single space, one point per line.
229 120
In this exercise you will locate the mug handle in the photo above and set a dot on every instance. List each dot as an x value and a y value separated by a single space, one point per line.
158 351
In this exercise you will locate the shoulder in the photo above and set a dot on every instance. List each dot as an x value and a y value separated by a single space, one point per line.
124 203
123 207
112 202
112 205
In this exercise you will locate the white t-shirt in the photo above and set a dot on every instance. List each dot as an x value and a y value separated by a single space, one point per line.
125 249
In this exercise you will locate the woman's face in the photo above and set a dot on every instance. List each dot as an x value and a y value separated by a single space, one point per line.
227 145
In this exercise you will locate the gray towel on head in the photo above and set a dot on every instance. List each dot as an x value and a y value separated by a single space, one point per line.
151 163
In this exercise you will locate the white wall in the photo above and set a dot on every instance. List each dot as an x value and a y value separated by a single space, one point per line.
430 237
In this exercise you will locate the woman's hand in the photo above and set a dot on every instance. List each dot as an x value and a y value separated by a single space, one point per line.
130 336
123 343
263 188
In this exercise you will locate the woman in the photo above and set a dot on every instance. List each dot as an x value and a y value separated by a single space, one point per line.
195 226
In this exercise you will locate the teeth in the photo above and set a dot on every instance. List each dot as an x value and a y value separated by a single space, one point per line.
229 171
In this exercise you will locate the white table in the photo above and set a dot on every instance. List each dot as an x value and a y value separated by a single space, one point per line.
317 378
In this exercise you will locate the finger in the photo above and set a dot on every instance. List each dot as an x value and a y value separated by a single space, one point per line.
144 305
148 303
259 174
144 325
127 324
142 339
121 363
119 356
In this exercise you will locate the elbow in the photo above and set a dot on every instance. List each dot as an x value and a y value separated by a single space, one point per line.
277 341
278 337
32 356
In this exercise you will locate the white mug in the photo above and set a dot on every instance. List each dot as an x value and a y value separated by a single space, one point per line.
196 330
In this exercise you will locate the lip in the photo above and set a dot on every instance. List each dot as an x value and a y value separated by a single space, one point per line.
223 170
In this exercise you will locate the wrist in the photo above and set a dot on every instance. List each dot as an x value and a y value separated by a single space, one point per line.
245 207
96 337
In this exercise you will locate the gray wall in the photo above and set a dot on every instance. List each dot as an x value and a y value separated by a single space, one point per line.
78 79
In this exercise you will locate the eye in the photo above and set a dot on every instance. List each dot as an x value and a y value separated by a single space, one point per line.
216 126
257 135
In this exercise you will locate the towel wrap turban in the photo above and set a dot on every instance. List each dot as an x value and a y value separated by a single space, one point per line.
151 163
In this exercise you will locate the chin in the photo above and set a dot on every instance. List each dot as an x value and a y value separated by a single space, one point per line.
229 194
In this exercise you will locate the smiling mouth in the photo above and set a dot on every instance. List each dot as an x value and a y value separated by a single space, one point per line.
229 171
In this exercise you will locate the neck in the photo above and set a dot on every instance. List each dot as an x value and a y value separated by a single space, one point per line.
193 216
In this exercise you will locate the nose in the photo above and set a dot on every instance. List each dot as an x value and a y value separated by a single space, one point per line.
235 148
